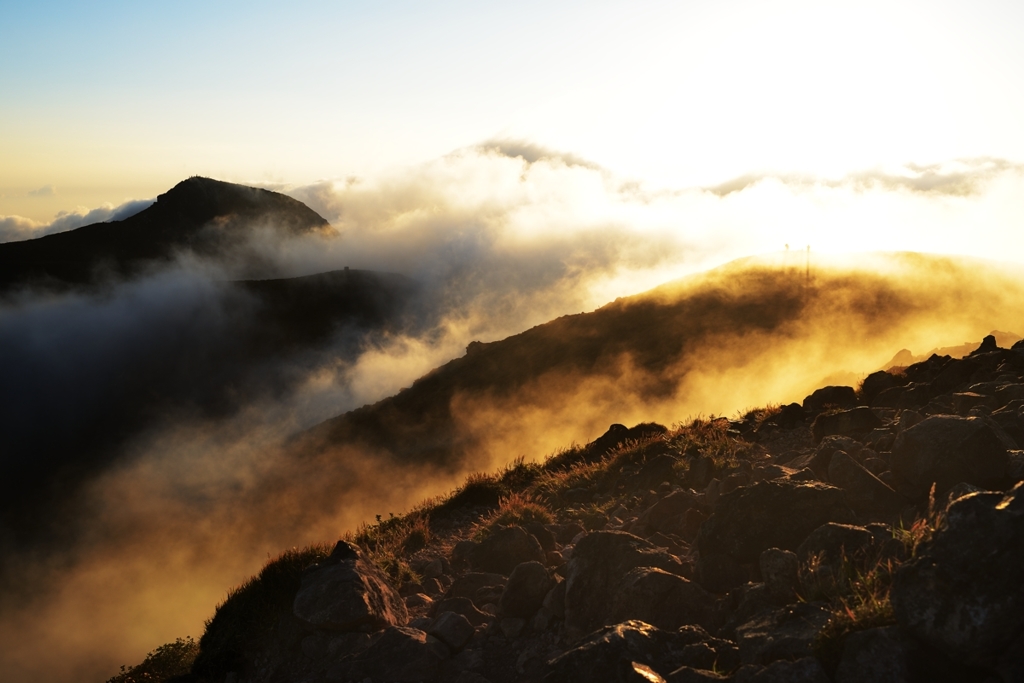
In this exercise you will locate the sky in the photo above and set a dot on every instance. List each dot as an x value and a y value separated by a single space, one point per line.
105 102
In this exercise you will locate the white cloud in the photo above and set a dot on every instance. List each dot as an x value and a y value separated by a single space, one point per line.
16 228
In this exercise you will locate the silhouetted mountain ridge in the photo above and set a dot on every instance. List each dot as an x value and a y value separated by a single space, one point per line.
207 217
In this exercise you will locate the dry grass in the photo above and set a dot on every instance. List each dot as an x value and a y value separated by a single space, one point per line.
863 603
516 509
758 416
162 664
390 542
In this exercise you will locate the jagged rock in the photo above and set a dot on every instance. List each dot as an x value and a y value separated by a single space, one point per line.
876 383
780 570
805 670
1009 392
789 416
400 654
868 495
504 549
641 673
852 423
687 674
466 608
618 434
786 633
664 600
347 592
471 677
701 651
833 543
662 541
468 585
875 655
554 601
988 344
962 592
828 447
720 573
656 470
943 501
543 535
964 401
674 504
462 551
418 601
599 562
433 569
770 514
946 450
907 419
512 627
564 533
608 654
839 396
454 630
524 593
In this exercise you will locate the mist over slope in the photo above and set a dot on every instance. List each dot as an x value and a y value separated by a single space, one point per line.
113 329
674 350
195 501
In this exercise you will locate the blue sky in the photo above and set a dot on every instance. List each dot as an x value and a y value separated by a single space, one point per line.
106 101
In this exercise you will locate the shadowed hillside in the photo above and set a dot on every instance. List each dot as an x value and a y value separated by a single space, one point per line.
664 347
204 216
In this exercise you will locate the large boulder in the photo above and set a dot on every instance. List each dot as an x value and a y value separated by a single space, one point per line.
668 508
527 586
876 655
868 495
805 670
471 584
661 599
786 633
770 514
598 564
504 549
400 654
835 544
347 592
945 450
610 654
962 592
836 396
853 423
464 607
452 629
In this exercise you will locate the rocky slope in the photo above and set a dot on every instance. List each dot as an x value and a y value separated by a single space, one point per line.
874 534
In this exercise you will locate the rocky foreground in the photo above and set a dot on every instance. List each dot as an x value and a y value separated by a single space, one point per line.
874 534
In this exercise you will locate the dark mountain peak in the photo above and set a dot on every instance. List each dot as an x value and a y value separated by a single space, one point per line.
198 200
207 217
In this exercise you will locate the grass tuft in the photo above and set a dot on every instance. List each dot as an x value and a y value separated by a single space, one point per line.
516 509
162 664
